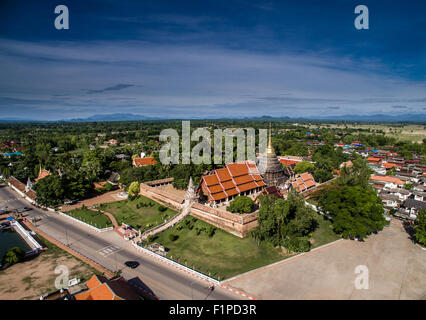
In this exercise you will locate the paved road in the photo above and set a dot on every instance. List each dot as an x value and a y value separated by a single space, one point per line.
111 251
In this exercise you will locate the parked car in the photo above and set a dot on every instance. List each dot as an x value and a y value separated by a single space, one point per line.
132 264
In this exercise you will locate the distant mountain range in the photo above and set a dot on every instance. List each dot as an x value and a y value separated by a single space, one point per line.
113 117
419 118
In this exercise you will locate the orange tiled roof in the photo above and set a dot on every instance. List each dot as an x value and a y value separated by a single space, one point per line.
288 162
139 162
99 184
102 289
374 159
387 179
303 182
95 281
388 165
16 183
231 192
211 180
231 180
223 174
247 186
31 194
237 169
228 184
243 179
43 174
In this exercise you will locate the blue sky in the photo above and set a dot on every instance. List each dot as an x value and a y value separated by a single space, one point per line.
211 58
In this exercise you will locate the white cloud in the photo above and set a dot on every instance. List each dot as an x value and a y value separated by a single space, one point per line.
178 80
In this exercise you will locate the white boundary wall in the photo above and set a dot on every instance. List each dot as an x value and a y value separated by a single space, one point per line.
175 264
34 245
84 223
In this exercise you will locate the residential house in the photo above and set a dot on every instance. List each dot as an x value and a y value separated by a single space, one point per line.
389 182
100 288
411 207
141 162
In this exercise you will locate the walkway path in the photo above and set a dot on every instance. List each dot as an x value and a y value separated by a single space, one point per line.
186 209
103 198
109 215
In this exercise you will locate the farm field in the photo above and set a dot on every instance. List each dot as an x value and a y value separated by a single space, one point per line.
411 132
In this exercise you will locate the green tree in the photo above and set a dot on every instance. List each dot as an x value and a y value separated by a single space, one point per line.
134 189
241 204
408 186
13 255
304 166
420 227
356 211
285 222
50 190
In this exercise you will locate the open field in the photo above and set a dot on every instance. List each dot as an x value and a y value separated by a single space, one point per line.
30 279
411 132
396 269
224 255
94 218
147 215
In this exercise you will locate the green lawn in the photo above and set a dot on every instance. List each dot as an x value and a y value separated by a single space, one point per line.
94 218
324 233
147 216
221 256
224 255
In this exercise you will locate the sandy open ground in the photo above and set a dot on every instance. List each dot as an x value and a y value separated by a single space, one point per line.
396 270
31 279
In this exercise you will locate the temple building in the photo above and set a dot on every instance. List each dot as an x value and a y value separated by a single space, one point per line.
234 179
270 167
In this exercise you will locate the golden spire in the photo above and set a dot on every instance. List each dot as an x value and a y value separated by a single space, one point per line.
270 148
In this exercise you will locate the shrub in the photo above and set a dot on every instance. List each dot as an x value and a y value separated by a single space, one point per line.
211 231
241 204
162 208
173 237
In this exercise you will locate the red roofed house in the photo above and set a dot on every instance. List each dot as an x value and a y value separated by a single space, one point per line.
235 179
303 182
127 232
374 160
141 162
388 165
387 181
112 141
99 185
100 288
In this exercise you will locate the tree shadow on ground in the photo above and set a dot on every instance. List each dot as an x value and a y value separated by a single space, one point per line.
408 227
